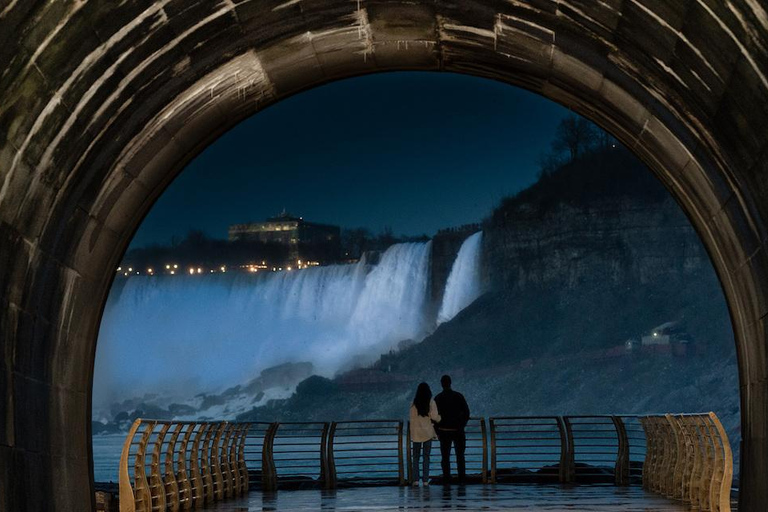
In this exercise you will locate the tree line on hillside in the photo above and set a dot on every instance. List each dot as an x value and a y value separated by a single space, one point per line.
583 164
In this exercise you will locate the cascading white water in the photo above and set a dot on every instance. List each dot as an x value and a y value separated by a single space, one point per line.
464 283
201 332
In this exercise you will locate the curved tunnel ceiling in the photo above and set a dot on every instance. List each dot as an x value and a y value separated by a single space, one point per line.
104 103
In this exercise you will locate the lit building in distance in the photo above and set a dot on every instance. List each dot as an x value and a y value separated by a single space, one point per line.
306 241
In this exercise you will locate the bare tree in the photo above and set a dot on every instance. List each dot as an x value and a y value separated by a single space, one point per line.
575 135
548 163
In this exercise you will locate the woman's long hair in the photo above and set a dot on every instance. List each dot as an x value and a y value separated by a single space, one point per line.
422 398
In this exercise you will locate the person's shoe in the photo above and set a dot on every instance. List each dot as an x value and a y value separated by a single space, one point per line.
425 483
415 483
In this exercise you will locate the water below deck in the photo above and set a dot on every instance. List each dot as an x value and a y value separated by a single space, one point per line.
499 497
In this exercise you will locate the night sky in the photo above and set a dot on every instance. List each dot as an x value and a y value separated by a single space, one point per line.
412 150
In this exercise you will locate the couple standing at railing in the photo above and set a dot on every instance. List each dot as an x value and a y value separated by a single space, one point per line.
444 419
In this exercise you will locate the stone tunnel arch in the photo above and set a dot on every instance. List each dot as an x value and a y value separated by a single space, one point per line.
104 103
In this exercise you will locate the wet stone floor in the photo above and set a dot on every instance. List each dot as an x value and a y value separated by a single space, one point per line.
500 497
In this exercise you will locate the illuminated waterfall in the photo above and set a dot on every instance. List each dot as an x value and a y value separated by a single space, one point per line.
208 331
464 283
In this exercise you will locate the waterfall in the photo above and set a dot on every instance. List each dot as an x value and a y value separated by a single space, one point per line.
202 332
464 283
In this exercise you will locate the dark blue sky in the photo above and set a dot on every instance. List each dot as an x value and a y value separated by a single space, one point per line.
415 151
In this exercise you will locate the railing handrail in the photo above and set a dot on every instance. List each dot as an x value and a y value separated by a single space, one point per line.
178 465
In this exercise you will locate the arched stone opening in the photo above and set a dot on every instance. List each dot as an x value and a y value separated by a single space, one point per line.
104 104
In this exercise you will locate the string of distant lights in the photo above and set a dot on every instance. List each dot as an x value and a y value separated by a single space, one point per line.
173 269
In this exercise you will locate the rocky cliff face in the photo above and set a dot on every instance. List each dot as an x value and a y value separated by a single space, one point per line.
610 242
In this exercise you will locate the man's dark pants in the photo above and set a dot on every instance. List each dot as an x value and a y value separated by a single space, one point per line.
458 439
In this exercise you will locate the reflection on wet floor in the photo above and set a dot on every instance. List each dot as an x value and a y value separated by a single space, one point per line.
500 497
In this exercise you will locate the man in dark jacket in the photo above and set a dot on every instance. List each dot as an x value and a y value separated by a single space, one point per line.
454 415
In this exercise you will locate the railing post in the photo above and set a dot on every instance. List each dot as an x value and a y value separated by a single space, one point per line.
215 463
621 471
227 490
492 425
244 480
720 493
688 440
661 455
156 485
699 455
234 467
197 470
671 461
567 455
171 483
205 463
182 460
324 455
408 454
484 437
127 496
331 477
400 466
676 483
268 472
709 462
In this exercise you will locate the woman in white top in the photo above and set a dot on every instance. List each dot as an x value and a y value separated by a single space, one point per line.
423 414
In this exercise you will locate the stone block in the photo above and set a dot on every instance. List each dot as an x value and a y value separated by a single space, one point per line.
31 415
14 264
76 344
599 18
30 354
736 238
72 484
628 111
741 114
6 403
68 412
60 62
292 65
98 250
393 22
650 38
579 75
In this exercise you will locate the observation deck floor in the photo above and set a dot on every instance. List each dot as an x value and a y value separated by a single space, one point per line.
493 498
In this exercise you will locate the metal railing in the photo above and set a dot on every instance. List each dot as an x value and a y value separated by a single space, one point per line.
366 452
476 454
178 466
598 449
528 449
295 454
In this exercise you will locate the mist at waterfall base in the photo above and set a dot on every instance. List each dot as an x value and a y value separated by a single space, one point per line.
183 335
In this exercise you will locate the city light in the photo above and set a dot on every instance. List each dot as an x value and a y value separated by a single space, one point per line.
167 267
173 272
149 270
175 266
223 269
130 269
289 268
191 271
119 269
